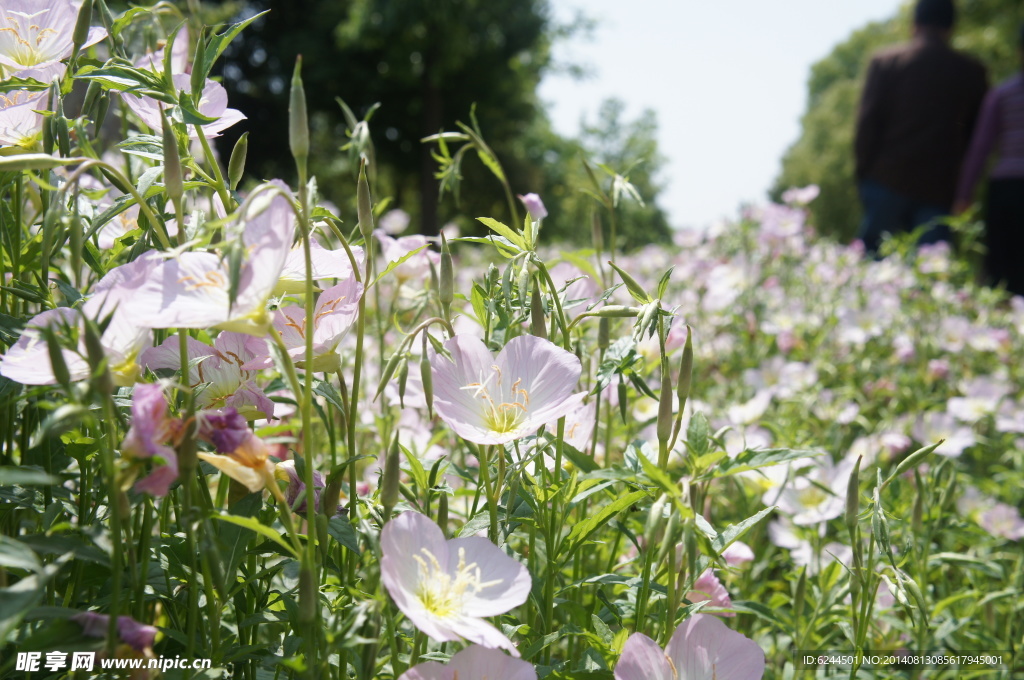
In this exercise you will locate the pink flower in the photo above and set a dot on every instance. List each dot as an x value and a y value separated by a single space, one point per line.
213 104
494 400
737 553
702 648
448 587
473 663
327 264
39 32
336 310
394 249
534 205
192 290
708 587
28 361
151 432
219 370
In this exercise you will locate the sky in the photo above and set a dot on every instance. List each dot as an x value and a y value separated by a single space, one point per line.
726 78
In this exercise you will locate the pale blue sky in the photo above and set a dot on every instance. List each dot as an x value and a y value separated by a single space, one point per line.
727 79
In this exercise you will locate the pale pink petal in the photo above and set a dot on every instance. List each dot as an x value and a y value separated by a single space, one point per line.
477 663
512 580
643 659
704 648
429 670
28 361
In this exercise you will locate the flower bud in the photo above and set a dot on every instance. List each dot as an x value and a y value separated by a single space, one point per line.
538 325
622 400
615 312
426 377
634 288
236 166
389 371
665 405
364 206
446 284
298 122
655 520
97 359
331 496
84 21
603 333
442 513
403 379
308 600
685 371
853 500
173 183
391 477
534 205
801 592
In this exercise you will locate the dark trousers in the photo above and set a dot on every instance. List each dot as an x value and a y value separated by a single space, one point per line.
888 211
1004 233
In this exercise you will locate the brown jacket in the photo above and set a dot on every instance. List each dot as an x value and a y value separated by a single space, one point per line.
916 116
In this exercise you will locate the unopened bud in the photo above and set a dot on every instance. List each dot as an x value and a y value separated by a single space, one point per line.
603 333
403 379
634 288
331 495
391 477
442 513
173 183
622 400
801 592
538 325
81 33
389 371
236 166
97 358
655 521
446 284
853 500
426 377
364 206
665 405
298 122
685 370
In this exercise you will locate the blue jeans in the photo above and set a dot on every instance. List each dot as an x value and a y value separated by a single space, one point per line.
888 211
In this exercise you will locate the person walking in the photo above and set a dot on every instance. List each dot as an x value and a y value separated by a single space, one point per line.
1001 128
914 124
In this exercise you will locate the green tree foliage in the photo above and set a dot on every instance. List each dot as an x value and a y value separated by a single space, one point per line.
427 64
823 154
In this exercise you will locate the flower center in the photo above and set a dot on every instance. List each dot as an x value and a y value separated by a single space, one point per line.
505 414
442 593
812 496
27 38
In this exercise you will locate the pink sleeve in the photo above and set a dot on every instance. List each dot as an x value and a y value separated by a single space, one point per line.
985 133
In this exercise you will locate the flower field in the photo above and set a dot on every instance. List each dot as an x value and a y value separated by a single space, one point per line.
243 426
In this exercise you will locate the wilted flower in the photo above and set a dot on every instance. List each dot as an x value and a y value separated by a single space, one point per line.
295 493
448 587
493 400
137 635
701 648
249 464
151 432
473 663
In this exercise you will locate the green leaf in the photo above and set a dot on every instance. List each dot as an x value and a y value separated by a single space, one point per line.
254 524
503 231
759 458
583 529
219 42
698 434
395 263
16 555
733 532
342 531
25 476
129 79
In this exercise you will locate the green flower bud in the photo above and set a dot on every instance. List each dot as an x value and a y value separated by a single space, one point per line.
538 321
389 371
308 600
391 477
603 333
426 377
446 284
685 370
59 366
236 166
665 405
364 207
853 500
84 21
298 121
173 183
403 379
442 513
